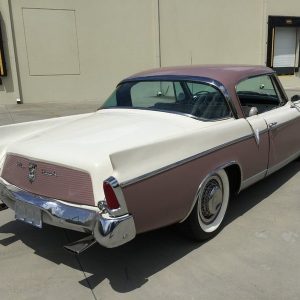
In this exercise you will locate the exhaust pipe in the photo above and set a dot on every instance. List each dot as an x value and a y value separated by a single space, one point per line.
81 245
3 206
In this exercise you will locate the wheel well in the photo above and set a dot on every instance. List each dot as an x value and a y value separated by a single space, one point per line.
234 176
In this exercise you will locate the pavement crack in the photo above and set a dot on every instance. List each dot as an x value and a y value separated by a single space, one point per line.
11 117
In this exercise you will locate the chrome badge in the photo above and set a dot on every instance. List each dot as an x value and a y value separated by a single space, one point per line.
32 172
49 173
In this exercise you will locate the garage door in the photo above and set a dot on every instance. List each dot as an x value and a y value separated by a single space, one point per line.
285 49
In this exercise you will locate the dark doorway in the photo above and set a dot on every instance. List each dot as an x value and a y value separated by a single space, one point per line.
283 44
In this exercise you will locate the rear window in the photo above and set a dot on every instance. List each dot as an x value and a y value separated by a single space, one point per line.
192 98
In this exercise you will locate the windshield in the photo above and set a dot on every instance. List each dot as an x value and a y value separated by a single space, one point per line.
192 98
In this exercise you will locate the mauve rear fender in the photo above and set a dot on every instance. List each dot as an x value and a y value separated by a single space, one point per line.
166 196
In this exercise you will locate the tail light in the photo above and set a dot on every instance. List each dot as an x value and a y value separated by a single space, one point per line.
110 196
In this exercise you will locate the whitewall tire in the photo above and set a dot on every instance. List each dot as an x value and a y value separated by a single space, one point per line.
212 198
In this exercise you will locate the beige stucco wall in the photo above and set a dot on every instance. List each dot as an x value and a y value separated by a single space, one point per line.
283 8
74 50
221 31
212 31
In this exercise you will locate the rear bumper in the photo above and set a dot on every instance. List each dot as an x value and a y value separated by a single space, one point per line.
107 230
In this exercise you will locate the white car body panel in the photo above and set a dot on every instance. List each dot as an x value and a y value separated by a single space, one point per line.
117 139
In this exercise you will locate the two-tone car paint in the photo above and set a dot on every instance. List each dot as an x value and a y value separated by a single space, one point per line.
160 159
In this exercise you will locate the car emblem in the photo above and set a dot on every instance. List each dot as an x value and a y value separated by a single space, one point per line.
32 171
49 173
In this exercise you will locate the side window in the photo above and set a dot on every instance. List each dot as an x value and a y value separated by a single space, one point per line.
208 102
258 92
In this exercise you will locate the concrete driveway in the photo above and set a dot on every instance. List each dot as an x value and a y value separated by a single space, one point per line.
16 113
256 256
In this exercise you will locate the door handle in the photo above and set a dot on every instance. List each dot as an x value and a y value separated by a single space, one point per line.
272 125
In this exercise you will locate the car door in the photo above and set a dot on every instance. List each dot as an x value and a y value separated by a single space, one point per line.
282 118
247 92
284 125
261 151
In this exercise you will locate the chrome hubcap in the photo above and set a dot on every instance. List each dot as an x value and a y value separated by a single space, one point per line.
211 200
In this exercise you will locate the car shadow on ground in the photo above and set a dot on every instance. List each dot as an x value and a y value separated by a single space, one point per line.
128 267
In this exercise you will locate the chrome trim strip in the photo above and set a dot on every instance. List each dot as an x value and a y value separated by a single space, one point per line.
108 231
282 163
257 177
169 112
223 166
184 161
248 182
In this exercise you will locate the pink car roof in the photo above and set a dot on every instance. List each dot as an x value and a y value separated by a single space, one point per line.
226 74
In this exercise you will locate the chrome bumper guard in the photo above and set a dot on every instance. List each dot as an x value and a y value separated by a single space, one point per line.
108 231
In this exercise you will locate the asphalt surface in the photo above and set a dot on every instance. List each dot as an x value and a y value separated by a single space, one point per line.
256 256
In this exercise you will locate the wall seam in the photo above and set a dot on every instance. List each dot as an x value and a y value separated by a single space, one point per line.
20 94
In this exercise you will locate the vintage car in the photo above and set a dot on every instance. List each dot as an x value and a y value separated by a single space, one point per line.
170 145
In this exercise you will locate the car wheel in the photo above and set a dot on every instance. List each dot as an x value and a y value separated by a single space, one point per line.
207 216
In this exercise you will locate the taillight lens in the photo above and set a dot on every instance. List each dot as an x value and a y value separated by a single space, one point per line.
111 199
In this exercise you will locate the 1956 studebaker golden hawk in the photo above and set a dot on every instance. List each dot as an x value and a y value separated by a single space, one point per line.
170 145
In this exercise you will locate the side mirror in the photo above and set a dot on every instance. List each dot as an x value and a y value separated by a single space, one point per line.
253 111
295 98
